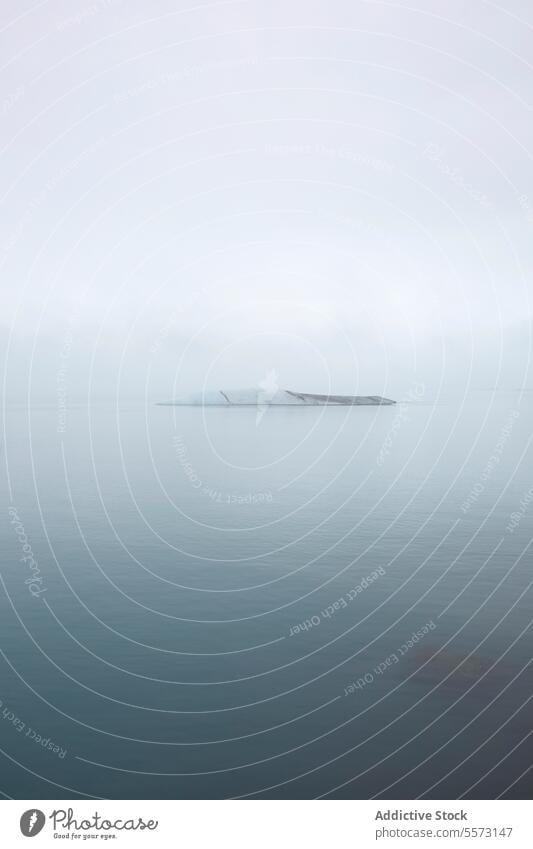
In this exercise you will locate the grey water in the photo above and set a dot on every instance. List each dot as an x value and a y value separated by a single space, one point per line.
287 603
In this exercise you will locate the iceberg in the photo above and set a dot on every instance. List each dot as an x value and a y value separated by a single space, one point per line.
257 397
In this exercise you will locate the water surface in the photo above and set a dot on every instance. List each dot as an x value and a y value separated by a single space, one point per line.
310 602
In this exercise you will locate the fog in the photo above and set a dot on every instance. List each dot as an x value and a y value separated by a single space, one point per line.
200 194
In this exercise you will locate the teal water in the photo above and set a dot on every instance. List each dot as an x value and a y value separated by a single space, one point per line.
219 604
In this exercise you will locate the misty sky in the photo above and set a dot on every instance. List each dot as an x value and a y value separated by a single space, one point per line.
197 193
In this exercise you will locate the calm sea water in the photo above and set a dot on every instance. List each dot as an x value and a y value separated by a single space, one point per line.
312 602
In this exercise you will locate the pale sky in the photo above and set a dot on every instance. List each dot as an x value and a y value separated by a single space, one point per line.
200 192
